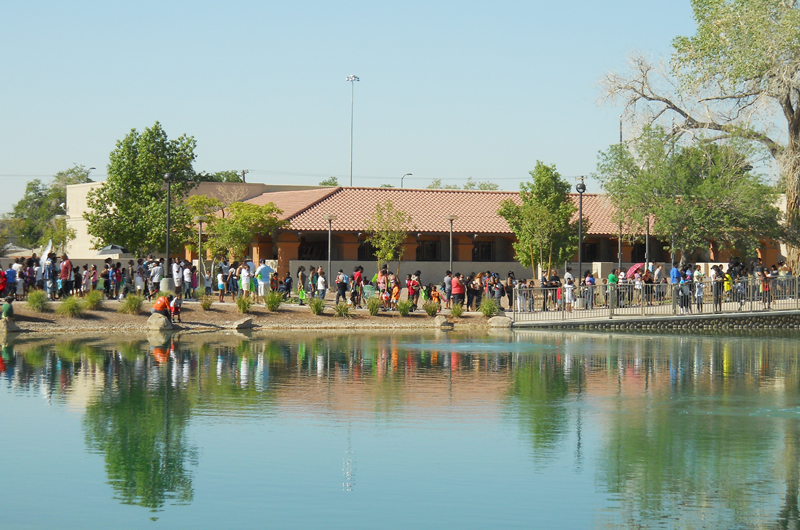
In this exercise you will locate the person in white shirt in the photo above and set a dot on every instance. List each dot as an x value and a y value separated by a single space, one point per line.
322 286
177 275
245 277
187 283
262 276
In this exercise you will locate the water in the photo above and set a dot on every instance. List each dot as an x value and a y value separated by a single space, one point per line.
534 429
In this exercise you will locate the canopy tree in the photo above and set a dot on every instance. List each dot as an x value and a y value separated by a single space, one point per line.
694 195
130 208
231 235
736 77
471 184
387 229
542 222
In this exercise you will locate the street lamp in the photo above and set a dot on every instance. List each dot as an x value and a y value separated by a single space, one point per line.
581 188
330 219
168 178
352 79
200 219
451 218
404 176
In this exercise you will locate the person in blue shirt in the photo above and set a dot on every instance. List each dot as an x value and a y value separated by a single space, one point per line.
11 282
674 274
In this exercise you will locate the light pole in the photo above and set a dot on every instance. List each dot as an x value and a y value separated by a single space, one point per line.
330 219
404 176
89 171
581 188
451 218
168 178
352 79
619 240
200 219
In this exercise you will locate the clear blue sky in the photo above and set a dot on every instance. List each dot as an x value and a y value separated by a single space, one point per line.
448 89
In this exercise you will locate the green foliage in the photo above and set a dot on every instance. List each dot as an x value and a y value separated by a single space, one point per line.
374 305
38 301
489 307
316 305
431 308
244 303
436 184
137 219
233 233
203 205
388 229
542 222
206 302
221 176
457 310
71 307
342 310
331 181
131 305
470 184
404 307
273 300
41 202
93 300
386 186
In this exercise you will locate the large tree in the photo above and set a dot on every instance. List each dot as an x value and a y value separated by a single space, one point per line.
737 76
130 208
694 195
542 223
231 235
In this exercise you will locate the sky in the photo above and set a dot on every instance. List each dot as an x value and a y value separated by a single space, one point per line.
448 90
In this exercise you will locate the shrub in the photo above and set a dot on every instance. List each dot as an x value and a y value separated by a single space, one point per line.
431 308
244 303
488 307
404 307
205 302
374 305
273 300
457 310
131 304
38 301
316 305
93 300
71 307
342 310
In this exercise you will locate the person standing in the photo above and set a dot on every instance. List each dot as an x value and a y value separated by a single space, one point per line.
66 276
457 289
302 279
177 275
447 288
322 285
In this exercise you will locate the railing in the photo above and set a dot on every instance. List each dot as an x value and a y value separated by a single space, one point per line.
664 299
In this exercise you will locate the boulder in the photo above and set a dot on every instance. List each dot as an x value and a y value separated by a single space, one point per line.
158 322
441 322
500 322
245 323
8 326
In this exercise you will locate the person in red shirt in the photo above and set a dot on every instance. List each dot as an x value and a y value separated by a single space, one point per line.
66 276
458 288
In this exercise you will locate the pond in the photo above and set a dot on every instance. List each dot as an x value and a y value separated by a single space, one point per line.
435 430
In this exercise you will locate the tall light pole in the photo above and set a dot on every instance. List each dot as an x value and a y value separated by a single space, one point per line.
200 219
404 176
89 171
581 188
168 178
330 219
619 240
352 79
451 218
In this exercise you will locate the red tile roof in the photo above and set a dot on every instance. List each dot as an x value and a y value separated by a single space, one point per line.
476 210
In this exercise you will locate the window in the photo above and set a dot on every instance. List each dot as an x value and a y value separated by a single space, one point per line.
483 251
590 252
366 252
638 253
312 250
429 251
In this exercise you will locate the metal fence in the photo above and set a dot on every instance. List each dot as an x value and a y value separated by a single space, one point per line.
664 299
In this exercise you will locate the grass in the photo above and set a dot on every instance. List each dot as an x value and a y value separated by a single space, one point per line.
273 300
488 307
37 301
131 304
244 303
431 308
316 305
342 310
374 305
70 307
205 302
404 307
457 310
93 300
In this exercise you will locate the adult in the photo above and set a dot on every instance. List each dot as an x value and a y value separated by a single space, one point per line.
554 284
357 286
341 286
161 306
457 288
66 275
509 284
262 277
302 278
447 288
588 294
187 282
156 274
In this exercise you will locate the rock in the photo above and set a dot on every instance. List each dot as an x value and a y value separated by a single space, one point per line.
500 322
441 322
158 322
8 326
245 323
158 338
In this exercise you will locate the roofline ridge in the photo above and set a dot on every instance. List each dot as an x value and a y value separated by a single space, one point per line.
314 203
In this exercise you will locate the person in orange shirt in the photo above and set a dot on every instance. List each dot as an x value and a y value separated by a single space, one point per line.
161 306
395 295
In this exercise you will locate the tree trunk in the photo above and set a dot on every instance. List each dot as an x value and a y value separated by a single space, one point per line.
790 168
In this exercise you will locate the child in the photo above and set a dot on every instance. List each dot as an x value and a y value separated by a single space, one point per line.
221 284
301 293
207 284
699 287
435 296
175 308
395 294
385 300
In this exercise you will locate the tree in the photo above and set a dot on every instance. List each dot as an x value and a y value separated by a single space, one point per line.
130 208
542 222
387 229
386 186
729 80
231 235
436 184
471 184
695 195
34 213
221 176
331 181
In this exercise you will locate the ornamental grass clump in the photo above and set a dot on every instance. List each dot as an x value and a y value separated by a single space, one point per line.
70 307
489 307
404 307
205 302
316 305
342 310
457 310
93 300
244 303
273 300
131 304
374 305
431 308
38 301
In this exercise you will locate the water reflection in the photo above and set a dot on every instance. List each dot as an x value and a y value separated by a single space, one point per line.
669 431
